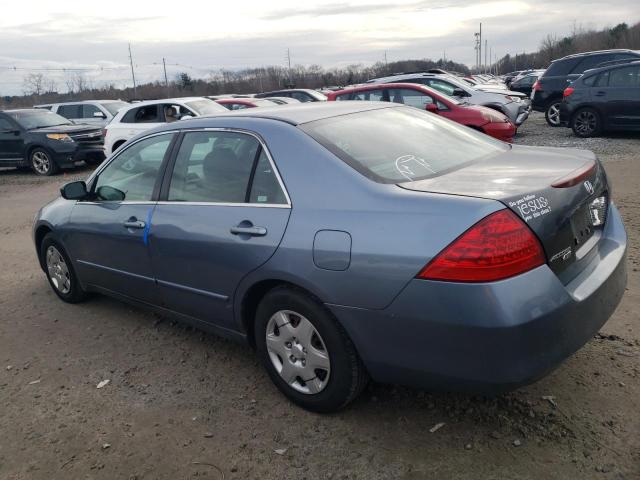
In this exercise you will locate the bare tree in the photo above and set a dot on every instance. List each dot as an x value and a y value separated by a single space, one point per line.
33 84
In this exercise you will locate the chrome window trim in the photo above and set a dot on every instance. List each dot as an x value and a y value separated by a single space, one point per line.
269 157
224 204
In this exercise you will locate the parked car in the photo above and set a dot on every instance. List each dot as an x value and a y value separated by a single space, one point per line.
547 91
512 106
507 77
525 83
282 100
603 99
142 116
241 103
46 142
91 112
300 94
338 239
480 118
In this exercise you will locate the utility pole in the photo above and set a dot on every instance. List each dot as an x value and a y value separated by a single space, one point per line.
385 58
166 80
133 75
480 50
485 56
490 61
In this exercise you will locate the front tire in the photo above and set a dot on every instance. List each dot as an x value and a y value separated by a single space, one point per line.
586 123
60 273
307 354
552 114
42 162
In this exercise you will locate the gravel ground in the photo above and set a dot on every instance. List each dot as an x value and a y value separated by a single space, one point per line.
183 404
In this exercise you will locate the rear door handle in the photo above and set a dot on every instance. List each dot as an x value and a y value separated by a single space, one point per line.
600 94
252 231
133 223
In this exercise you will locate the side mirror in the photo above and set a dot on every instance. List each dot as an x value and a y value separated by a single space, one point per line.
74 191
432 107
99 115
458 92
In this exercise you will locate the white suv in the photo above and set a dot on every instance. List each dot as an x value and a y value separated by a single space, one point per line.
142 116
92 112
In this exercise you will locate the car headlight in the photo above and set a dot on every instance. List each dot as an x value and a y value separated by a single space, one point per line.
63 137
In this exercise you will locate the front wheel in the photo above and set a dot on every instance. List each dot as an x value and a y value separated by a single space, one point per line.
307 354
60 273
586 123
42 162
552 114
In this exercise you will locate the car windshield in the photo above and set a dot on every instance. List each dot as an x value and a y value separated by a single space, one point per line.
205 106
113 107
31 119
396 145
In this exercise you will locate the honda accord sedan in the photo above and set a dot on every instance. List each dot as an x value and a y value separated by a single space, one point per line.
350 240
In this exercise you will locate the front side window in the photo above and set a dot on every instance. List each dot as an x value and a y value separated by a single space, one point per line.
442 86
217 167
395 145
627 77
410 97
132 175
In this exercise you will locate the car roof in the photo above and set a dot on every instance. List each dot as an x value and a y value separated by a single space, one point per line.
612 66
168 100
298 114
408 75
372 86
598 52
13 110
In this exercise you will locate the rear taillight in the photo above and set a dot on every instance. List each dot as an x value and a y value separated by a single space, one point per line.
567 92
576 176
536 86
497 247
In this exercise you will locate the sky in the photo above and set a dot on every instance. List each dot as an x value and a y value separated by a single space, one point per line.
205 36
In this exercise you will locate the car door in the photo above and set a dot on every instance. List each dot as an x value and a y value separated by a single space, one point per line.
107 237
222 213
11 141
619 92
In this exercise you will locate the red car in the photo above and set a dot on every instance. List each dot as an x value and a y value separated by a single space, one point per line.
241 103
480 118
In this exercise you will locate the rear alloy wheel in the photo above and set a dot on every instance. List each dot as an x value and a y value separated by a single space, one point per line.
306 352
552 114
586 123
60 272
42 163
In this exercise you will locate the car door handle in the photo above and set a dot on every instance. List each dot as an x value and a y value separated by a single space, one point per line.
132 223
249 230
600 94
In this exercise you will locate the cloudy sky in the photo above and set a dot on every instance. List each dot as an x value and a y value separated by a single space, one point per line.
203 37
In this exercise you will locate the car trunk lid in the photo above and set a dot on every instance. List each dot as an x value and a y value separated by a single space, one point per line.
522 178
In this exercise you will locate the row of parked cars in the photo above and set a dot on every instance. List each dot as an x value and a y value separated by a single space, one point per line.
590 92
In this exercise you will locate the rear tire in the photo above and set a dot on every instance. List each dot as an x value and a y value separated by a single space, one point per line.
552 113
586 123
42 163
59 270
297 339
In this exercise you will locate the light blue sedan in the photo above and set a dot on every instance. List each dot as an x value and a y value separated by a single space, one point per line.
349 240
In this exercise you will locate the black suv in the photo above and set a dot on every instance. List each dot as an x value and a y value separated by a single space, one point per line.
604 98
547 91
46 141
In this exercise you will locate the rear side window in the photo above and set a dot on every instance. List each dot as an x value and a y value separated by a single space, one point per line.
301 96
223 167
603 79
589 81
624 77
146 114
344 96
70 111
590 61
395 145
371 95
5 125
89 110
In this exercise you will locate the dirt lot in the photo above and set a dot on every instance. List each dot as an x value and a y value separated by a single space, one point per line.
182 404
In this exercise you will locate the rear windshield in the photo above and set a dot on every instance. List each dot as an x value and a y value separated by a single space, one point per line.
113 107
205 106
395 145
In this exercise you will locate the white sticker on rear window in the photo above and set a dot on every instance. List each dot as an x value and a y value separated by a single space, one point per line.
531 206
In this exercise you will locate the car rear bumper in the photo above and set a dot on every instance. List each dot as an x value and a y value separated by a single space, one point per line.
500 130
489 337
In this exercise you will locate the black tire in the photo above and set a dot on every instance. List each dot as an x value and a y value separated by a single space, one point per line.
586 122
552 113
42 162
75 292
347 377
